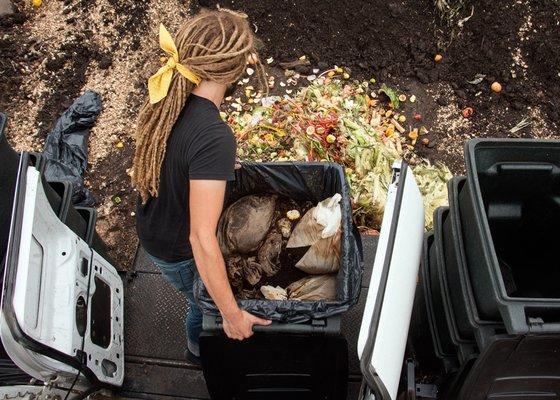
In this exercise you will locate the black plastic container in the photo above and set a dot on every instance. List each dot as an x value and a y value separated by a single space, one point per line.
420 342
510 214
89 214
67 212
469 323
301 181
526 367
440 288
443 345
59 195
92 238
37 160
280 361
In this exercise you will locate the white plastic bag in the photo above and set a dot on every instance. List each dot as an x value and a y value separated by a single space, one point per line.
328 214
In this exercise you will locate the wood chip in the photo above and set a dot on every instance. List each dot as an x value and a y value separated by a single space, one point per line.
397 125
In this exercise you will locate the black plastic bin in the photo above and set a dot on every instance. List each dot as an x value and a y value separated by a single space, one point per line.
61 203
460 286
279 362
510 213
59 195
92 238
440 288
443 345
37 160
518 368
301 181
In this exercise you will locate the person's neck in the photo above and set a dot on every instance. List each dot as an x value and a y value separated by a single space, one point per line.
211 90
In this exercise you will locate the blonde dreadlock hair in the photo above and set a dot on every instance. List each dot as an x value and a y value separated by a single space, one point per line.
216 46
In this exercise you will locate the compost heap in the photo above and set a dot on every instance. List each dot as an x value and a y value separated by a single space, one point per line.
280 249
348 122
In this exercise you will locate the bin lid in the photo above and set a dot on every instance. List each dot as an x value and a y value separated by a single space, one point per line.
383 334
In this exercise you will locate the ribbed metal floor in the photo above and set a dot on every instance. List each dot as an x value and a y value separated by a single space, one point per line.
155 335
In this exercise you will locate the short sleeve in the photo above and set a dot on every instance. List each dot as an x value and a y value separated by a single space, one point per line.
213 157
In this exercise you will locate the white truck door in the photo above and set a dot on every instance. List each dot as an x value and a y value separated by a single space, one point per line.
62 305
386 319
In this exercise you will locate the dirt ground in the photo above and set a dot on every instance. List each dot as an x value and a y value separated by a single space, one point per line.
514 42
53 54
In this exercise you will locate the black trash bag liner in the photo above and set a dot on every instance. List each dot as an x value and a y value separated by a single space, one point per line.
301 181
66 147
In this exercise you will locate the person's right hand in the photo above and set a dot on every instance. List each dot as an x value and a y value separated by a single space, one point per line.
240 325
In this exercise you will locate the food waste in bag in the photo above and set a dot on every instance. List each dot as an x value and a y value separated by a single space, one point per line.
245 224
274 293
320 229
269 246
313 288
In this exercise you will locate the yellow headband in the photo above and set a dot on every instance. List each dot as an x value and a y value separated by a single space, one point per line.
158 84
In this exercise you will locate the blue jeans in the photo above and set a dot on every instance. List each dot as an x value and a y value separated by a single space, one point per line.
182 275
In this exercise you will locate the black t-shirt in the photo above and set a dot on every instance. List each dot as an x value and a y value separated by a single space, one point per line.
200 146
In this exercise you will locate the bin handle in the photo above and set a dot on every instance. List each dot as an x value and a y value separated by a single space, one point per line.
536 325
215 323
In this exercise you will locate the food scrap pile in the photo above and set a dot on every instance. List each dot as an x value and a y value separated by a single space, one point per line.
280 249
348 122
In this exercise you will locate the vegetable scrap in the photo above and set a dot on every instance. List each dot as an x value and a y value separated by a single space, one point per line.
274 293
293 215
524 123
467 112
252 59
496 87
477 79
392 95
342 121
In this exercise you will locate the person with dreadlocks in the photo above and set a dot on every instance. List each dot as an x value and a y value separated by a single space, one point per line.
185 154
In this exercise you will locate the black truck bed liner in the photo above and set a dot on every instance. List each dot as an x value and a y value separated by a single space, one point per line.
155 337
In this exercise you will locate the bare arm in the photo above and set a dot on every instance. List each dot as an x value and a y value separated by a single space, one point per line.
205 203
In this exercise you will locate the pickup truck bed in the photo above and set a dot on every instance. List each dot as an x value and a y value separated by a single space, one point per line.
155 366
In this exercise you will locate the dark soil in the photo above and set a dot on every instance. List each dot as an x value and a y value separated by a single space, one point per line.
369 37
10 75
289 273
395 42
543 55
110 180
67 66
289 257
